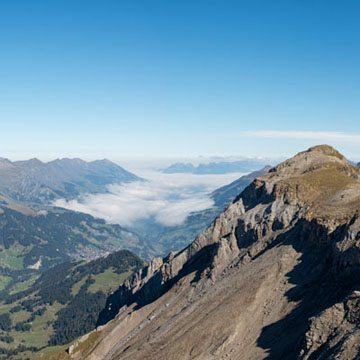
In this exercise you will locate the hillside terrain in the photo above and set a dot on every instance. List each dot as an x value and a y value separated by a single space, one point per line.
276 276
39 182
61 304
39 240
33 241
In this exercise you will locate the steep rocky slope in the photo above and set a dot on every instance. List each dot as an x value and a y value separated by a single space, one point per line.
276 276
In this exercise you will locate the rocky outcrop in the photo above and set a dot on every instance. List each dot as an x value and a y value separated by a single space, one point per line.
335 332
275 276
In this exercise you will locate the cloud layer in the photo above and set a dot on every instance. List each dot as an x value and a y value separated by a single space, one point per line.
167 198
311 135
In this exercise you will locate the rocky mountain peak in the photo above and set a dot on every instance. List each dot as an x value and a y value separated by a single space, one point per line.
68 161
312 159
326 150
32 161
5 163
320 180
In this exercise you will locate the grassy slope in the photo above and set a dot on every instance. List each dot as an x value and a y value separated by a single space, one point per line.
50 239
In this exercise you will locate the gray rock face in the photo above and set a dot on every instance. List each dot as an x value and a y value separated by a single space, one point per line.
275 276
335 332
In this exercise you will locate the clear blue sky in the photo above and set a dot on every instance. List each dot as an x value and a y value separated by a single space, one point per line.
178 78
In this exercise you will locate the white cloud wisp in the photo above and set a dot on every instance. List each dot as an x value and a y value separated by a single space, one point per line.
310 135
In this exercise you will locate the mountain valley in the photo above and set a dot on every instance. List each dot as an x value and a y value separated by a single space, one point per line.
173 238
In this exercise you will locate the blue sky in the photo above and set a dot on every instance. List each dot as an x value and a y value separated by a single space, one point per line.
156 78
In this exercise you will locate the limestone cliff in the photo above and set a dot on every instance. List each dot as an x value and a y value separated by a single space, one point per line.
276 276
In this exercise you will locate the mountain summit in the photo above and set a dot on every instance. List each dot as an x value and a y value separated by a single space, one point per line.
276 276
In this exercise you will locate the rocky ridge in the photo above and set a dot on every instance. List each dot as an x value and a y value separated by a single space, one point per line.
276 276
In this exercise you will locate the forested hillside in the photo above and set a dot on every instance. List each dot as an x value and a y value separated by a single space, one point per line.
61 304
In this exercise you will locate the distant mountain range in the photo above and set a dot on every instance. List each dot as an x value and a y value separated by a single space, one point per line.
222 167
39 182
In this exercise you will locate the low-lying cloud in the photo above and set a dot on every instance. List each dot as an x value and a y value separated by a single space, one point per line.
166 198
311 135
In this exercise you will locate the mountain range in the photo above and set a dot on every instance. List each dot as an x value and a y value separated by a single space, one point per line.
220 167
275 276
42 182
